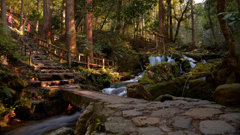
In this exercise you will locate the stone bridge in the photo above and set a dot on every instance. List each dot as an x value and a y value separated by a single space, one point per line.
114 115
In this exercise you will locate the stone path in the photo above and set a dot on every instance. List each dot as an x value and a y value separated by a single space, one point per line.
180 116
49 73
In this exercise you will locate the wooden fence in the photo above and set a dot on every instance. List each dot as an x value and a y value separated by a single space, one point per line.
70 56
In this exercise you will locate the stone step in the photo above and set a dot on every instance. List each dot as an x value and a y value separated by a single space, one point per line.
54 76
48 67
53 71
51 83
45 64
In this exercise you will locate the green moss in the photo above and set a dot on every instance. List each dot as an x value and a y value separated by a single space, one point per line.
173 87
201 67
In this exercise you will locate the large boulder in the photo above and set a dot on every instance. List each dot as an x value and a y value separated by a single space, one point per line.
228 94
12 81
200 89
136 90
159 73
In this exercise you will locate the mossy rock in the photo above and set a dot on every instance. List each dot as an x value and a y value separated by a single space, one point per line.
173 87
159 73
52 93
186 67
201 67
54 107
200 89
12 81
136 90
24 112
228 94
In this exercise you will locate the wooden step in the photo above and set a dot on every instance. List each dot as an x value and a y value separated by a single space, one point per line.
53 71
54 76
48 67
51 83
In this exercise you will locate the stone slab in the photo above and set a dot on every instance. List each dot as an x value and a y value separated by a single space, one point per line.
216 127
145 121
131 113
202 113
150 131
180 122
166 113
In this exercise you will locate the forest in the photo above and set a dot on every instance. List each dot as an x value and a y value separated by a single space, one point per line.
127 67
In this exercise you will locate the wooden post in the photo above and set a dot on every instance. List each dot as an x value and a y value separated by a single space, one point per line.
25 47
79 57
60 55
30 58
88 62
69 59
103 63
49 49
55 51
156 41
112 63
164 50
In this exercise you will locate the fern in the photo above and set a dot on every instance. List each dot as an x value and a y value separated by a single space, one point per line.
6 91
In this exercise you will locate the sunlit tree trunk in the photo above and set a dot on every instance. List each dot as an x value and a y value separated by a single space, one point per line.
70 27
21 16
47 20
88 27
193 32
3 16
63 15
37 20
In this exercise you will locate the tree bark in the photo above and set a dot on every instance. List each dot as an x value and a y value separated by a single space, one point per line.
88 27
70 27
63 15
179 21
118 28
238 3
171 29
193 32
233 59
162 18
37 20
3 16
21 16
47 20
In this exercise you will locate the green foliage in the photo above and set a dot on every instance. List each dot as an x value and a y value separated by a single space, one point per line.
231 17
5 92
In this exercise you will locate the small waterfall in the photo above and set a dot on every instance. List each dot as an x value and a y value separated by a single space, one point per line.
181 71
191 60
158 59
186 83
120 88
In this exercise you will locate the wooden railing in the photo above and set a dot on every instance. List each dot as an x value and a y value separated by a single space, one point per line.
70 56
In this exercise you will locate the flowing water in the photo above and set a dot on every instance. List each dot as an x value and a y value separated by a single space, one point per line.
191 60
43 126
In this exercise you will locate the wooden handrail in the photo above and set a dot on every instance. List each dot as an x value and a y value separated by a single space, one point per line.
69 58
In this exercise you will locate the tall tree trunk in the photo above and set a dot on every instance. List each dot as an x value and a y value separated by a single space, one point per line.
118 28
177 30
238 3
187 35
70 27
232 62
193 32
21 16
161 18
37 20
63 15
171 28
47 19
3 16
88 27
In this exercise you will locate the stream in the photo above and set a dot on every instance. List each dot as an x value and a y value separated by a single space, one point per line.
43 126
